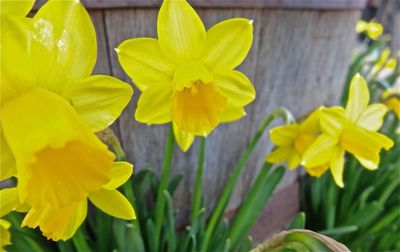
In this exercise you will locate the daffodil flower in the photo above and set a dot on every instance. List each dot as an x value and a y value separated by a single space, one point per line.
384 62
372 29
292 140
186 75
5 236
353 129
391 98
50 109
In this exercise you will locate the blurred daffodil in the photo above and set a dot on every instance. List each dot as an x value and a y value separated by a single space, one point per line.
391 99
5 236
384 62
292 141
372 28
353 129
50 109
186 75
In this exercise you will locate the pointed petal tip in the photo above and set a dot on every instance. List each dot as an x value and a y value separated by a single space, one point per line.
116 50
251 22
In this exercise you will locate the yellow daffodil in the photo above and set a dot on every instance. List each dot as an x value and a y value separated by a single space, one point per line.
391 99
385 62
292 141
50 109
186 75
353 130
5 236
372 29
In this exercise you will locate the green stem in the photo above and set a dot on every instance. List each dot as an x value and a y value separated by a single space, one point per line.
199 179
226 194
166 168
79 240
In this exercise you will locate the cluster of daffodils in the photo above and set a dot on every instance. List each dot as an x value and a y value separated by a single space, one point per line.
187 75
320 142
51 108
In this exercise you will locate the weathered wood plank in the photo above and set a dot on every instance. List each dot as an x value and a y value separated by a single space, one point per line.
286 4
332 5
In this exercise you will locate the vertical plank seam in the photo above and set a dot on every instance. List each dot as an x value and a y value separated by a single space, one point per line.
108 49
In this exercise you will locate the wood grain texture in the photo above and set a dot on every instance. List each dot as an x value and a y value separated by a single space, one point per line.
299 60
286 4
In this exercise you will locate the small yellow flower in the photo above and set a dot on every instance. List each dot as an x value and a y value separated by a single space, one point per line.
186 75
391 98
292 141
384 62
50 109
5 236
353 130
372 29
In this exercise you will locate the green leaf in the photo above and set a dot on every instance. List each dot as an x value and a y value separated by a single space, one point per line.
254 202
298 221
174 183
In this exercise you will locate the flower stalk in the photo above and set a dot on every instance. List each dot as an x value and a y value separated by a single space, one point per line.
165 172
199 179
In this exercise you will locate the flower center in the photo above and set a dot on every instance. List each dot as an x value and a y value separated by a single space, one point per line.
303 141
197 108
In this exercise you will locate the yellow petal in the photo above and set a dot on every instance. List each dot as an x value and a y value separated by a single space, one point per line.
5 236
119 174
363 143
317 171
144 62
337 166
55 133
284 135
113 203
99 100
228 43
361 26
369 164
294 160
180 31
57 223
235 86
183 139
231 114
155 105
8 166
311 124
15 8
358 98
64 44
372 117
9 200
374 30
16 67
280 154
189 73
320 152
332 120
